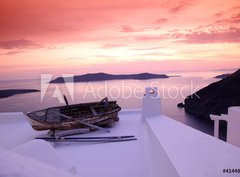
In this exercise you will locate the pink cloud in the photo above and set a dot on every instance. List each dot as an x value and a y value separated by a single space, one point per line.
151 37
64 21
18 44
180 5
235 18
127 29
236 7
161 21
14 52
231 35
219 14
71 21
198 35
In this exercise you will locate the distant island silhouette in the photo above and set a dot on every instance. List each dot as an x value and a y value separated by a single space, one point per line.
10 92
104 77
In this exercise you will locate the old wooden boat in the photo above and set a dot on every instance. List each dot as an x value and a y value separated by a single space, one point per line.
90 115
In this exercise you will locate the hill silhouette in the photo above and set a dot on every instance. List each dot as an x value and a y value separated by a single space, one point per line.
215 98
103 77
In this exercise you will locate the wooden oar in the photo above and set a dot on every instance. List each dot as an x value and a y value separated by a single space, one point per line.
89 139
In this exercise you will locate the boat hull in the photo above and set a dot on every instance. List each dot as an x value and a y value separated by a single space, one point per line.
91 113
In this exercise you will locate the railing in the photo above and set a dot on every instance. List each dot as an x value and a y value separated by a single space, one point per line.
233 125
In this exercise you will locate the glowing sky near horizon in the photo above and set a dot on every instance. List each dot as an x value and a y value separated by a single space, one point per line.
131 36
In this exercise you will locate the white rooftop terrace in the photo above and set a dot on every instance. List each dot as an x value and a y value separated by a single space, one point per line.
164 148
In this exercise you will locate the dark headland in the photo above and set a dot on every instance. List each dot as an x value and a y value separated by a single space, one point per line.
104 77
215 98
222 76
10 92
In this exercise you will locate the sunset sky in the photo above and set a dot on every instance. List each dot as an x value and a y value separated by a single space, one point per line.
132 36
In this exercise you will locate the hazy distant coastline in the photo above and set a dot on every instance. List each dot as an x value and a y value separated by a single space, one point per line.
104 77
10 92
222 76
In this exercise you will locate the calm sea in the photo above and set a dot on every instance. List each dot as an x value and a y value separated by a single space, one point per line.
128 93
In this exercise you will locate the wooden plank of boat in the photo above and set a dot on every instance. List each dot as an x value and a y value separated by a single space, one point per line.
85 123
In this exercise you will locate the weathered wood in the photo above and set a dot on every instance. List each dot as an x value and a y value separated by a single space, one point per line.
75 116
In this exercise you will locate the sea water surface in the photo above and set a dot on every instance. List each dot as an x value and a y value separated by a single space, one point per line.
128 93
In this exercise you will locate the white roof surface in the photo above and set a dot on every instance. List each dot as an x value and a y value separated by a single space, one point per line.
163 147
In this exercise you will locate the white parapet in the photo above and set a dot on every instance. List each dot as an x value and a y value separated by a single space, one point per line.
151 103
181 151
233 125
233 128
